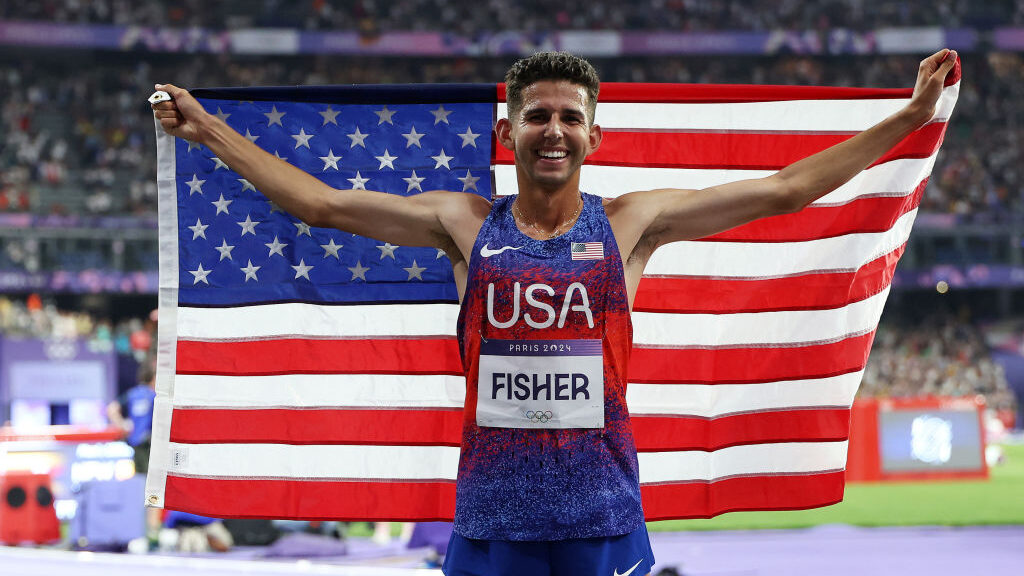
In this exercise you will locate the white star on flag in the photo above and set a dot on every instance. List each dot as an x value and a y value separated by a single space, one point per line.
249 226
224 249
274 117
357 138
200 275
276 247
302 139
385 116
222 204
250 137
302 270
250 272
358 183
415 271
388 250
386 160
246 185
218 163
440 115
195 185
303 228
468 181
330 116
199 230
330 161
331 249
413 182
442 160
358 271
468 137
412 138
222 115
274 207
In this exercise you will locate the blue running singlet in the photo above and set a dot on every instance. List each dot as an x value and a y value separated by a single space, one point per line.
545 337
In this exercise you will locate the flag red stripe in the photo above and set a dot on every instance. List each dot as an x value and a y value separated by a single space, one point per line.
863 215
707 499
312 499
670 433
710 93
736 151
651 365
405 427
440 427
814 291
742 365
289 356
432 501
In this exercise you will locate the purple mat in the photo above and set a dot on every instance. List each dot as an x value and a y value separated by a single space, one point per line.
840 550
826 550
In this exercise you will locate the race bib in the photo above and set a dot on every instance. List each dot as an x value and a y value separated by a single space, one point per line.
541 384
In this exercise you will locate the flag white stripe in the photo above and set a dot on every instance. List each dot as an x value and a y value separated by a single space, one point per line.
895 178
750 459
705 401
315 461
788 116
649 328
311 320
405 391
321 390
777 259
286 461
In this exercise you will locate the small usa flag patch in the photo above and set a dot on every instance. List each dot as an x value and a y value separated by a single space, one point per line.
587 250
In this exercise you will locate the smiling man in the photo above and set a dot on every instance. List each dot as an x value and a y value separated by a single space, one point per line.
548 479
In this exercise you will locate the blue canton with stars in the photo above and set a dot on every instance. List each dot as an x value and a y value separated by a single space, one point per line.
236 247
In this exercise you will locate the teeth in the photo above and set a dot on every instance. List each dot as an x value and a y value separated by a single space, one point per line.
559 154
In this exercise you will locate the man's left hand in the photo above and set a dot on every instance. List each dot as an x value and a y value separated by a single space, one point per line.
931 78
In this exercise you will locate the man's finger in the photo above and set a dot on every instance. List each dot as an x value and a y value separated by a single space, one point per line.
947 64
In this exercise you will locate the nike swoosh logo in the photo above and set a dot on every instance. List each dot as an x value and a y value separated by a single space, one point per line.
630 571
487 253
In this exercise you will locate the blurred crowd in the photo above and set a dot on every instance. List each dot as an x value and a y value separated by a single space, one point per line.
467 17
35 317
939 357
78 138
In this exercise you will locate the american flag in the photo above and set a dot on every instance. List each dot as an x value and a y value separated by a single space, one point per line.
587 250
309 373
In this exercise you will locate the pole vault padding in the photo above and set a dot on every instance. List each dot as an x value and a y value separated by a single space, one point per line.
26 509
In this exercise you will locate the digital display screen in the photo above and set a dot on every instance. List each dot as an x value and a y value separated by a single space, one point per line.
929 440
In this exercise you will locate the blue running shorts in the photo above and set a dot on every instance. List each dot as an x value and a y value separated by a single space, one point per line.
623 555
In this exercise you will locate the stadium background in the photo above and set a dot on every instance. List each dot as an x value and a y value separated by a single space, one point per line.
78 246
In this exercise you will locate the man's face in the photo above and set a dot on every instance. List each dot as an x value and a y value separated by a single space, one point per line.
551 135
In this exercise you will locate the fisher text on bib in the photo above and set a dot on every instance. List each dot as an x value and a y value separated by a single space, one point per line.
540 384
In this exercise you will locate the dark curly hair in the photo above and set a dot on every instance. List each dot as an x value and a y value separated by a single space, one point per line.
550 66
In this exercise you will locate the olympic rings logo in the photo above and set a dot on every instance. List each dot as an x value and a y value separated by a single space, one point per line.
539 416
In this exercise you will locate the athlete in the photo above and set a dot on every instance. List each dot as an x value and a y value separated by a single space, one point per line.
548 481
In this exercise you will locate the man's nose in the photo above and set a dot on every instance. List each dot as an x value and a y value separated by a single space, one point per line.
553 129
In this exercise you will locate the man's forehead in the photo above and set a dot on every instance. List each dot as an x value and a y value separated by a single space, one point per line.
556 94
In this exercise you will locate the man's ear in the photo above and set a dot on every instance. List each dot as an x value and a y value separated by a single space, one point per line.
503 131
595 137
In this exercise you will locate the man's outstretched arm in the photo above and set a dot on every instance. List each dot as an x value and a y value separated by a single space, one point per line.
428 219
646 220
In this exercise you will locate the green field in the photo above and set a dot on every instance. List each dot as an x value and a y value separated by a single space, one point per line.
1000 500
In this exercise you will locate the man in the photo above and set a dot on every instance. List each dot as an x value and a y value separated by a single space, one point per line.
132 412
548 480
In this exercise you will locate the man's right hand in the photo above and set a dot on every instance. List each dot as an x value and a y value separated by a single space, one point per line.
182 116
